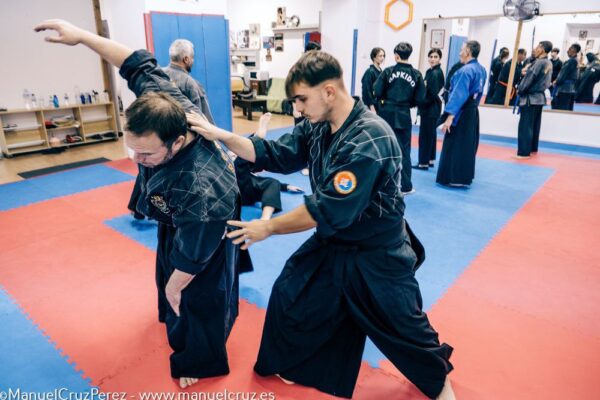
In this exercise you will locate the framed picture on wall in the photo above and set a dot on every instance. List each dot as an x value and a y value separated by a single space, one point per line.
278 39
437 38
583 35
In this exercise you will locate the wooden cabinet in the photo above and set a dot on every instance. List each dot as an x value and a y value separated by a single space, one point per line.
25 131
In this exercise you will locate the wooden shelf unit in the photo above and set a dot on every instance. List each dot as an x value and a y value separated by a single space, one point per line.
31 134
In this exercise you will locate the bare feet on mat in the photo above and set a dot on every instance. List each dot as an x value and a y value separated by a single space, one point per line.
285 380
185 382
447 392
263 125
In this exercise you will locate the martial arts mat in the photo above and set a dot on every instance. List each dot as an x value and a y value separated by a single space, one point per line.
511 281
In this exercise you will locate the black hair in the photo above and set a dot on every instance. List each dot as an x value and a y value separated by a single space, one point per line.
522 51
375 51
312 46
312 69
504 52
576 47
556 50
435 50
547 45
404 50
159 113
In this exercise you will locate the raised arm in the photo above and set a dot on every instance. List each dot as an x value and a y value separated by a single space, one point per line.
71 35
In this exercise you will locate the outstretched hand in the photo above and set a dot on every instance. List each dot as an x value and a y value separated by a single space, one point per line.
68 33
249 232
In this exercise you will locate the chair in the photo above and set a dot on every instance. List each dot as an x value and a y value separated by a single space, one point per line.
276 97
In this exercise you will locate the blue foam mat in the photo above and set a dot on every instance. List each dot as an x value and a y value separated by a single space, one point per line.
453 224
29 361
22 193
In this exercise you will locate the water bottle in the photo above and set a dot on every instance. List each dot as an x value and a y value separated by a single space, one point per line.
26 99
77 94
33 101
82 98
66 102
55 101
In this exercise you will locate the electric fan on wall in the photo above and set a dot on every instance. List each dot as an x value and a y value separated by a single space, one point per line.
521 10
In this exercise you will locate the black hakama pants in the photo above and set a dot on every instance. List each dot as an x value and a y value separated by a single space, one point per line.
428 137
330 297
529 129
459 149
261 189
209 307
563 101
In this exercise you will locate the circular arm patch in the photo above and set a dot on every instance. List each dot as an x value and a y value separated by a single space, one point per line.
344 182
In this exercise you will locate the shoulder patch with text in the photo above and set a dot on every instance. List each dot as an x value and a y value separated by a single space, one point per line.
344 182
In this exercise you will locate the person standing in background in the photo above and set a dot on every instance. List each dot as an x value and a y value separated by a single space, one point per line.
369 78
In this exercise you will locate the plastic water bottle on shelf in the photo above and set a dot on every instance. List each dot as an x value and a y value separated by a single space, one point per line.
66 101
55 101
33 101
26 99
77 94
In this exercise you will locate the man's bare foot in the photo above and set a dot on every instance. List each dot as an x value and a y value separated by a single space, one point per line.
263 125
447 392
185 382
285 380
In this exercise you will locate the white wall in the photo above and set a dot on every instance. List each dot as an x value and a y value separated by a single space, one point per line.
44 68
338 29
241 13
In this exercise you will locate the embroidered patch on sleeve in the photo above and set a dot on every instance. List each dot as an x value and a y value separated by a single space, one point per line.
344 182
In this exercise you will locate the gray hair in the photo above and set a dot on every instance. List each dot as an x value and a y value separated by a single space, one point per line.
181 48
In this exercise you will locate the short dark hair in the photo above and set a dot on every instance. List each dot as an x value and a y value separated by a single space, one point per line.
556 50
576 47
312 69
312 46
375 51
404 50
504 52
522 51
156 112
547 45
435 50
474 47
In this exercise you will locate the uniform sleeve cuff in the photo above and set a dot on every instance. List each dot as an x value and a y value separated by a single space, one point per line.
323 227
180 262
131 63
259 149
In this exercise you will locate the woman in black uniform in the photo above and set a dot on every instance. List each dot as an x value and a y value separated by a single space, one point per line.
369 78
430 111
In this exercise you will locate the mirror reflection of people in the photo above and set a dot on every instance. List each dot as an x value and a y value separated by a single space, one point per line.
563 97
502 82
495 69
461 120
354 277
369 78
556 65
588 79
430 111
532 99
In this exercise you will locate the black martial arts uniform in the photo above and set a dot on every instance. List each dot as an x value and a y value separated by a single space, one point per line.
502 84
495 71
563 97
587 81
355 276
191 196
430 112
368 81
451 73
255 189
400 88
556 67
532 100
457 159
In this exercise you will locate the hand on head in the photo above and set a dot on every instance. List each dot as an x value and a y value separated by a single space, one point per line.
199 124
68 33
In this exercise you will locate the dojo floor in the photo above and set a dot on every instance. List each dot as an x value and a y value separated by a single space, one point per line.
511 281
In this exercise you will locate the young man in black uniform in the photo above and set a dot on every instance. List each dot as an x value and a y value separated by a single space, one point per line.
355 276
563 97
556 65
588 79
370 77
495 69
532 100
400 88
188 186
430 111
502 82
